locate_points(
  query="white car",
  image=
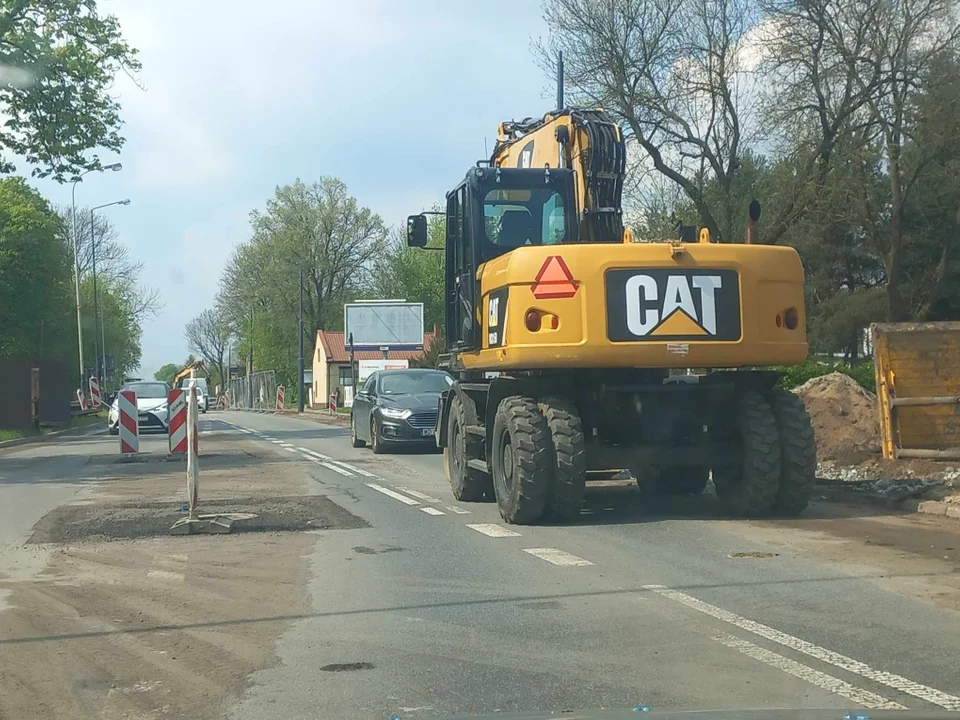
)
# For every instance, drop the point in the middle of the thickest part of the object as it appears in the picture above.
(203, 397)
(151, 407)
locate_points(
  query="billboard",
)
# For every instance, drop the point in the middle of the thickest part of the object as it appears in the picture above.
(383, 323)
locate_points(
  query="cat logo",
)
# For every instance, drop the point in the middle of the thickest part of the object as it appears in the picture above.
(668, 305)
(493, 316)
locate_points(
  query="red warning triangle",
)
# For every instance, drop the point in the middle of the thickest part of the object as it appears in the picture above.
(554, 280)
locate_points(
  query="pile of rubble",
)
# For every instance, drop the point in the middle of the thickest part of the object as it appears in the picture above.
(846, 422)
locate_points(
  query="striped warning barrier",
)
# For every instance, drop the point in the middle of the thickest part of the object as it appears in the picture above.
(81, 399)
(177, 402)
(129, 422)
(94, 392)
(280, 392)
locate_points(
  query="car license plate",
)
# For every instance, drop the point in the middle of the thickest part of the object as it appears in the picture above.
(144, 417)
(427, 432)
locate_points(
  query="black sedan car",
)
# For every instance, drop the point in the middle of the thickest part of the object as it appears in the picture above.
(397, 407)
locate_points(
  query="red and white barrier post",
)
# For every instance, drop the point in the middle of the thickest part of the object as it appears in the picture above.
(280, 393)
(81, 399)
(94, 392)
(332, 403)
(129, 422)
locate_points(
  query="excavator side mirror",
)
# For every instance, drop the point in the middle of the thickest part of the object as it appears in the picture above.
(417, 231)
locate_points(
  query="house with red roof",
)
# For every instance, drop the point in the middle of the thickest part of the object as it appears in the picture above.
(332, 370)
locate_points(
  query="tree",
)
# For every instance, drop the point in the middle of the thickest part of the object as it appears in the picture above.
(208, 335)
(318, 228)
(672, 72)
(167, 373)
(414, 274)
(60, 60)
(35, 276)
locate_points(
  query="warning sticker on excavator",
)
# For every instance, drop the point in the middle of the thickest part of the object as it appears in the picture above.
(554, 280)
(661, 304)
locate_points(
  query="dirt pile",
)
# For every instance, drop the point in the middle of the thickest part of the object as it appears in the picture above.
(844, 418)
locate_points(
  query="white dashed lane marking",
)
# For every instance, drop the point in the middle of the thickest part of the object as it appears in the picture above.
(457, 510)
(492, 530)
(557, 557)
(289, 449)
(358, 471)
(814, 677)
(431, 511)
(897, 682)
(395, 495)
(419, 495)
(314, 453)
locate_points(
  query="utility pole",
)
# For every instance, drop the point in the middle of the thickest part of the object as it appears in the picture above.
(300, 362)
(100, 369)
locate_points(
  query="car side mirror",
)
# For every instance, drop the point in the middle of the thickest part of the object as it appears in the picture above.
(111, 397)
(417, 231)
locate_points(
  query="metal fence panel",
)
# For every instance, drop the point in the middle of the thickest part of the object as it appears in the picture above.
(253, 392)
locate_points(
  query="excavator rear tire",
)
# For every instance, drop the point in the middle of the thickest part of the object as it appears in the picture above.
(521, 458)
(798, 453)
(569, 463)
(750, 490)
(467, 483)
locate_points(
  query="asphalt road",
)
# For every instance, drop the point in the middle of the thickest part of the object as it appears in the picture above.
(439, 608)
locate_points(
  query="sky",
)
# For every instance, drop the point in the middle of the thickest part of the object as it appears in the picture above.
(237, 97)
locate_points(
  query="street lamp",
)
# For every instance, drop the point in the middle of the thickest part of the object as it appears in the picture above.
(99, 369)
(115, 167)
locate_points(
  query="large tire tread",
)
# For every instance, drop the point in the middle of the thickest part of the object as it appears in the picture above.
(798, 453)
(467, 484)
(755, 490)
(569, 460)
(530, 440)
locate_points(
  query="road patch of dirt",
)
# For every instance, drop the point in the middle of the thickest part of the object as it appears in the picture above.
(161, 625)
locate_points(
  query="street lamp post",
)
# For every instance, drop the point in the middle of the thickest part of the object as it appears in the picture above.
(76, 259)
(99, 369)
(300, 362)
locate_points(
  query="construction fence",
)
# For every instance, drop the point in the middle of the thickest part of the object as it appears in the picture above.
(252, 392)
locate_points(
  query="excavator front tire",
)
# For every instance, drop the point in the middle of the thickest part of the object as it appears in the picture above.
(467, 483)
(521, 458)
(798, 453)
(751, 488)
(569, 464)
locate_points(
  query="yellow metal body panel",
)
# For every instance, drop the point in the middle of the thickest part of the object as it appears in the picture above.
(917, 360)
(770, 281)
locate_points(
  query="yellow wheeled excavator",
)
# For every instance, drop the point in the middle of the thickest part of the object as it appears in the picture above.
(571, 343)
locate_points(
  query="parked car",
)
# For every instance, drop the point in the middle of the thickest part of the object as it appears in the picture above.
(151, 406)
(397, 407)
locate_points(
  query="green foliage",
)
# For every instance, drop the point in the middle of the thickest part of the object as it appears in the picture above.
(167, 373)
(414, 274)
(62, 57)
(796, 375)
(35, 276)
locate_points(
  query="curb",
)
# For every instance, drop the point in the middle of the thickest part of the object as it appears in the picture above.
(91, 429)
(935, 507)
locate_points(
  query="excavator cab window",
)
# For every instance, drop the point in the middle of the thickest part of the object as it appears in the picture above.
(515, 218)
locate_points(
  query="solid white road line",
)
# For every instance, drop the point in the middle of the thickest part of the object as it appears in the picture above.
(492, 530)
(431, 511)
(358, 471)
(814, 677)
(557, 557)
(419, 495)
(395, 495)
(897, 682)
(457, 510)
(314, 453)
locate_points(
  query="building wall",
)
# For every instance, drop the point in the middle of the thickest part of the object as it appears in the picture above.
(320, 376)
